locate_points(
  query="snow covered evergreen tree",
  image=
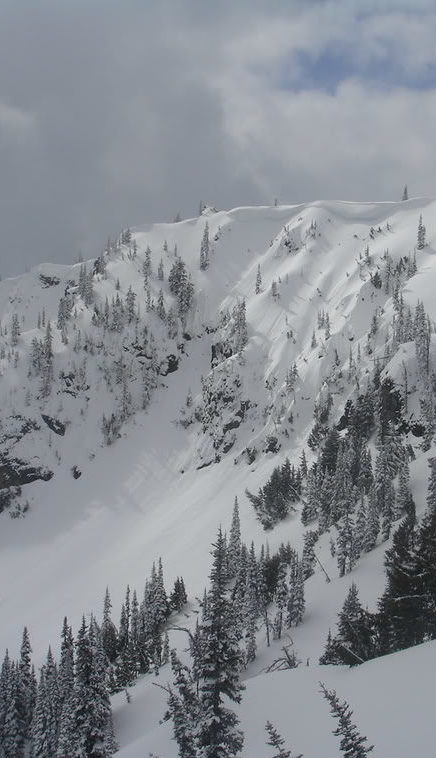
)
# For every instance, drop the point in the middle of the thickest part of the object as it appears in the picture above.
(352, 744)
(204, 249)
(218, 735)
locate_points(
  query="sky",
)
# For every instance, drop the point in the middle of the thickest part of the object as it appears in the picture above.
(119, 112)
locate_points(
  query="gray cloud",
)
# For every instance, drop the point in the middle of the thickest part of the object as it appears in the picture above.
(114, 113)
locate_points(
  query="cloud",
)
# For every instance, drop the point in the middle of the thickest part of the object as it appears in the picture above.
(15, 124)
(117, 114)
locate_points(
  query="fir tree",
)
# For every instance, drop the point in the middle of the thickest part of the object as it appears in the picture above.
(15, 330)
(47, 362)
(183, 708)
(218, 735)
(277, 742)
(109, 634)
(234, 546)
(258, 286)
(160, 271)
(421, 242)
(204, 249)
(401, 618)
(352, 744)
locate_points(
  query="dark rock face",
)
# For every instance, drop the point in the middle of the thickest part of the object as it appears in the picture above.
(15, 472)
(220, 352)
(48, 281)
(170, 365)
(76, 472)
(56, 426)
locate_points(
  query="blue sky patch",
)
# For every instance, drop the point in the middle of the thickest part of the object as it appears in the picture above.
(334, 66)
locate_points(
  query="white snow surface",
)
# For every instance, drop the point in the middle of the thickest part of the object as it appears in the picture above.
(144, 496)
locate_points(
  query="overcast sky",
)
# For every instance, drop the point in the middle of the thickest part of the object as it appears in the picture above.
(118, 112)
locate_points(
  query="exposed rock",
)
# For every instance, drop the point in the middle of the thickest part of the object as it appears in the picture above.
(169, 365)
(15, 472)
(49, 281)
(56, 426)
(76, 472)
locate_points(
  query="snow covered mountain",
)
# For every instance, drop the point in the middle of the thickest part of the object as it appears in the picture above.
(143, 390)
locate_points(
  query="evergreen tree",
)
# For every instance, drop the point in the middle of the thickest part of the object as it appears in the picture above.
(26, 687)
(47, 362)
(421, 242)
(352, 744)
(258, 287)
(130, 305)
(13, 725)
(65, 681)
(234, 546)
(405, 193)
(178, 597)
(354, 642)
(401, 619)
(281, 598)
(204, 249)
(109, 636)
(183, 708)
(372, 527)
(308, 555)
(218, 735)
(240, 326)
(160, 271)
(345, 552)
(277, 742)
(160, 309)
(15, 330)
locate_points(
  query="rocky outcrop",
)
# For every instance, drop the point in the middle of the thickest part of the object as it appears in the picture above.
(15, 472)
(54, 424)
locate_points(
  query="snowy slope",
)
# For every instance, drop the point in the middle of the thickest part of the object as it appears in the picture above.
(149, 494)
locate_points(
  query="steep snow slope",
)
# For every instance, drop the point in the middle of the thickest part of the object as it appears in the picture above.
(150, 493)
(391, 699)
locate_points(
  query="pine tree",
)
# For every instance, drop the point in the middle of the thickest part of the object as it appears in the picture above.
(15, 330)
(25, 683)
(218, 734)
(204, 249)
(183, 708)
(160, 309)
(372, 527)
(345, 545)
(160, 271)
(421, 242)
(405, 193)
(47, 362)
(46, 719)
(401, 619)
(258, 287)
(354, 642)
(13, 726)
(130, 305)
(234, 546)
(281, 599)
(240, 326)
(109, 634)
(352, 744)
(66, 665)
(308, 555)
(277, 742)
